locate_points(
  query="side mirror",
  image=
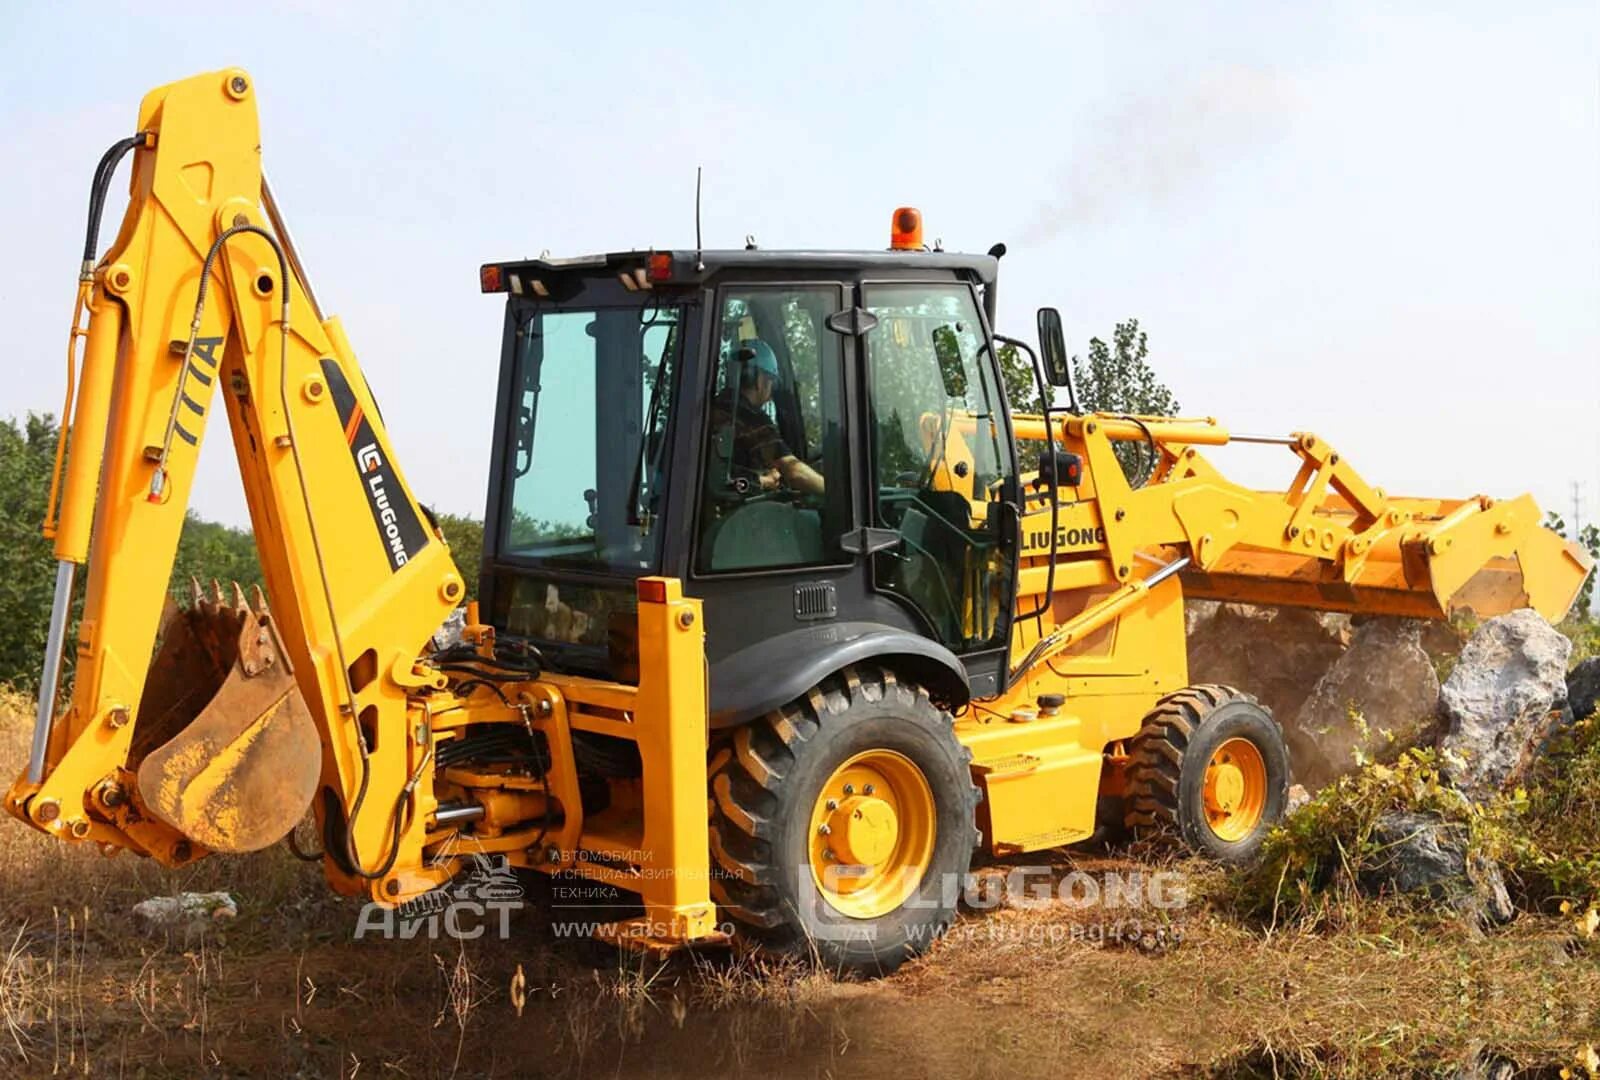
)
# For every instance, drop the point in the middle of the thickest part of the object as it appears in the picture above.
(1053, 348)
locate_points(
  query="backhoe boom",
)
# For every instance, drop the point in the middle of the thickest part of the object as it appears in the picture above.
(197, 309)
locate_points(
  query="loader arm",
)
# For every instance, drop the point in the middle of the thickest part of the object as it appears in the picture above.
(1330, 541)
(199, 307)
(1103, 641)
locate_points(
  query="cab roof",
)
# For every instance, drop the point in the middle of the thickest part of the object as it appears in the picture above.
(684, 267)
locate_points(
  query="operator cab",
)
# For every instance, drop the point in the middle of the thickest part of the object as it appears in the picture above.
(815, 443)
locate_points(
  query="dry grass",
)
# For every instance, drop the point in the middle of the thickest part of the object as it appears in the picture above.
(1011, 992)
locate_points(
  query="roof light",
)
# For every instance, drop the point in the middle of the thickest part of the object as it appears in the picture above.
(489, 278)
(905, 231)
(661, 266)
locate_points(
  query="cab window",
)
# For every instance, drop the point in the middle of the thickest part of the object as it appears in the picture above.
(941, 459)
(775, 490)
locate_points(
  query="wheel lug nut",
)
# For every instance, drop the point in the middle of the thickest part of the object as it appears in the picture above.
(849, 789)
(867, 790)
(824, 830)
(833, 804)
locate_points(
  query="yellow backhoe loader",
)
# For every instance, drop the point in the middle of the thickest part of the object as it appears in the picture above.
(783, 612)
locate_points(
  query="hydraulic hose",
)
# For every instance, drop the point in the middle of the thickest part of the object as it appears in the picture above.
(97, 192)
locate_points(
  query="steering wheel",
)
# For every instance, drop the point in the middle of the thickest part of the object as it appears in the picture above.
(777, 495)
(746, 486)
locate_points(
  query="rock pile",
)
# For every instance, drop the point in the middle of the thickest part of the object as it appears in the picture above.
(1426, 855)
(1376, 700)
(1503, 700)
(1349, 694)
(1583, 688)
(1274, 654)
(1337, 685)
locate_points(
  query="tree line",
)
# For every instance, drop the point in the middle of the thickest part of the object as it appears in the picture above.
(207, 550)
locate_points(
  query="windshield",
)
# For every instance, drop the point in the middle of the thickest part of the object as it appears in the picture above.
(934, 399)
(588, 461)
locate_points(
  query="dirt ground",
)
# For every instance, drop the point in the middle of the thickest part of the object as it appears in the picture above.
(286, 990)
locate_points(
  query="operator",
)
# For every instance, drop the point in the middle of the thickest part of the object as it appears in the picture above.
(757, 446)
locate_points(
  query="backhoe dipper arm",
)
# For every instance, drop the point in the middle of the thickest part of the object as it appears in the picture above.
(197, 305)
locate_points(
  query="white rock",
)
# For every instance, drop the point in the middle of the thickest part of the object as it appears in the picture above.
(185, 913)
(448, 636)
(1298, 797)
(1501, 700)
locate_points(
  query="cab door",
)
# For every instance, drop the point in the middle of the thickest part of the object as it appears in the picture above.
(943, 469)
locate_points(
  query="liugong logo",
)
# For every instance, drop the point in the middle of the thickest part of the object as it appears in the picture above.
(371, 464)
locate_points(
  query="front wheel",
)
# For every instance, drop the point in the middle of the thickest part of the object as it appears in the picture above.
(1212, 762)
(843, 823)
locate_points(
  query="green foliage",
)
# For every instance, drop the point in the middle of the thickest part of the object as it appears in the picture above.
(1554, 847)
(27, 565)
(1022, 391)
(465, 537)
(208, 551)
(1315, 857)
(1585, 637)
(1114, 378)
(1021, 385)
(1546, 836)
(1118, 378)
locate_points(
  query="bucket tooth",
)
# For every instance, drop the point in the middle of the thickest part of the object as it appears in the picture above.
(258, 601)
(218, 601)
(238, 600)
(195, 595)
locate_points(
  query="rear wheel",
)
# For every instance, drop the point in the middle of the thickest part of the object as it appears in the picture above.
(1211, 762)
(844, 822)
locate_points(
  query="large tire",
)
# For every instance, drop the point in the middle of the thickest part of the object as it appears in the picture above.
(772, 782)
(1191, 767)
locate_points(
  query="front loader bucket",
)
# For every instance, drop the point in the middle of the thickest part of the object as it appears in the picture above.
(227, 752)
(1438, 558)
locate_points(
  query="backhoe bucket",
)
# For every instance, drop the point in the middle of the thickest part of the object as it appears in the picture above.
(227, 752)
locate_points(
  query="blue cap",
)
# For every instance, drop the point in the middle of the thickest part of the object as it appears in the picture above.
(758, 355)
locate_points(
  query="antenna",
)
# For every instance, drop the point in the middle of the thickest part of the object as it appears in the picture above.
(1577, 509)
(699, 263)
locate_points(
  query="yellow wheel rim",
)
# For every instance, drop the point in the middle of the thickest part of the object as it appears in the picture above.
(872, 834)
(1235, 789)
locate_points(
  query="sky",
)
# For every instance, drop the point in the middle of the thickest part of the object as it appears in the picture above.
(1379, 223)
